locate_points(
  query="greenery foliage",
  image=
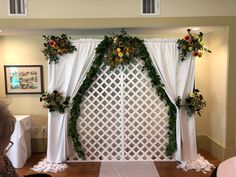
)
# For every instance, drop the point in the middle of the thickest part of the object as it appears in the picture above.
(104, 54)
(194, 103)
(55, 101)
(57, 45)
(191, 43)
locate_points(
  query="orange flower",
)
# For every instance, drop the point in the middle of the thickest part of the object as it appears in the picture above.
(55, 46)
(64, 51)
(200, 55)
(126, 49)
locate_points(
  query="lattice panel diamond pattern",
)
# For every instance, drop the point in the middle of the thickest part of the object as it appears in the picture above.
(145, 117)
(100, 120)
(122, 118)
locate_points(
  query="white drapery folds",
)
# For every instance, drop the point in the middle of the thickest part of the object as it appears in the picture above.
(66, 77)
(69, 73)
(178, 78)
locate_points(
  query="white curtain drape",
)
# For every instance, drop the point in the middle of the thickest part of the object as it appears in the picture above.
(69, 73)
(178, 78)
(66, 77)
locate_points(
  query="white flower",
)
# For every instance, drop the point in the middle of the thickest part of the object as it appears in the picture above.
(190, 48)
(115, 39)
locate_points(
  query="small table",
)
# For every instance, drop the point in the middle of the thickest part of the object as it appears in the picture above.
(21, 150)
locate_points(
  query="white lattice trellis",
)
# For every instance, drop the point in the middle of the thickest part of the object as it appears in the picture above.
(122, 118)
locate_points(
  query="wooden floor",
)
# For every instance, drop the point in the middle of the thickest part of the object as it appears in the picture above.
(91, 169)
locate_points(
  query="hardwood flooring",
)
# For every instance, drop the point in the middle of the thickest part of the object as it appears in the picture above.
(91, 169)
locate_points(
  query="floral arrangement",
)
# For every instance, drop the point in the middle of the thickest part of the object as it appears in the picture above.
(55, 101)
(194, 103)
(120, 50)
(57, 45)
(191, 43)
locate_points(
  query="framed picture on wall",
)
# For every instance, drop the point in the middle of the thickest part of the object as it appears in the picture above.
(23, 79)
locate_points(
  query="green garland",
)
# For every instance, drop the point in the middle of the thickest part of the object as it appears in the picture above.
(139, 52)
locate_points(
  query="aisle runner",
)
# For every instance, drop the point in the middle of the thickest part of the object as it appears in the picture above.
(128, 169)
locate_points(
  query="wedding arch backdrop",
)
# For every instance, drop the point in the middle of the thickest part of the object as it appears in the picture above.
(122, 117)
(133, 135)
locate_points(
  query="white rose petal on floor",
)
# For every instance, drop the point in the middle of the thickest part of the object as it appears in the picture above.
(45, 166)
(128, 169)
(200, 164)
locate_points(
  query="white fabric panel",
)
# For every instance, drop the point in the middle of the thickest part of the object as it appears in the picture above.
(178, 78)
(66, 77)
(128, 169)
(21, 150)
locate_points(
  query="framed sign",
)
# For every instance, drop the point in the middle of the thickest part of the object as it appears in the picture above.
(23, 79)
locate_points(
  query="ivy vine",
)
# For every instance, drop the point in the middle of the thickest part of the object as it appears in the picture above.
(140, 52)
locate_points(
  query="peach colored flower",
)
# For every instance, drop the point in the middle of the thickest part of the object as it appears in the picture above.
(187, 38)
(55, 46)
(190, 42)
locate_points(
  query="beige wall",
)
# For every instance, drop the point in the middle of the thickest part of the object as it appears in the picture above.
(121, 8)
(211, 79)
(203, 123)
(24, 50)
